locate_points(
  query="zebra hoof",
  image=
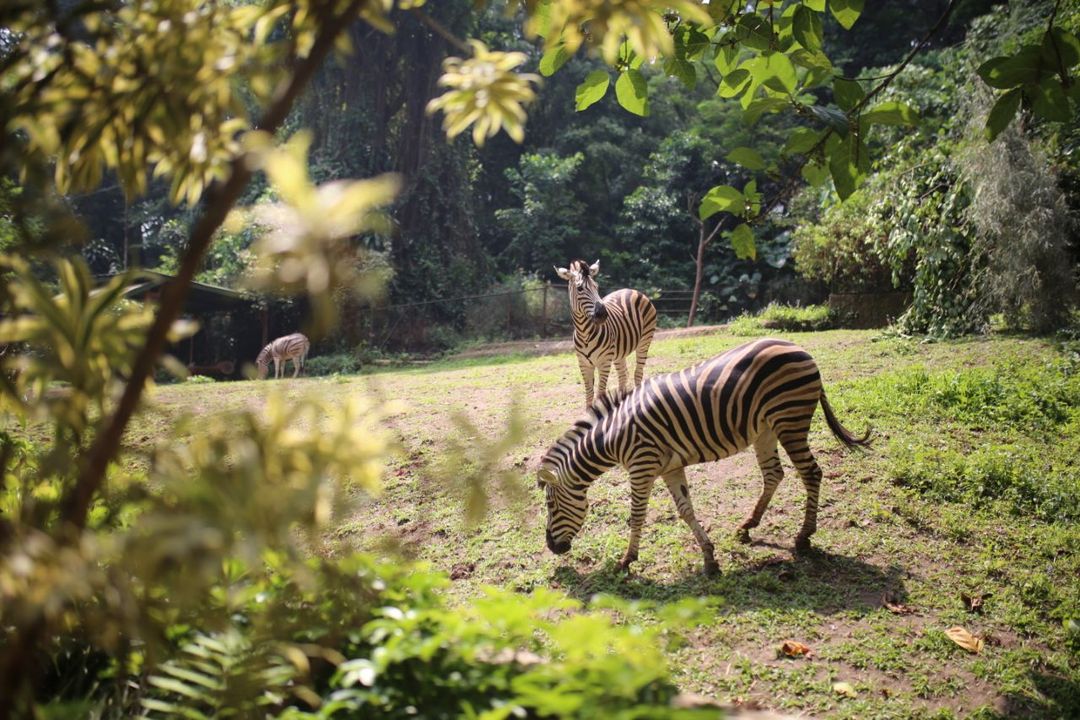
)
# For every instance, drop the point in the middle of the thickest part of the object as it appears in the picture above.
(802, 544)
(624, 564)
(712, 568)
(743, 535)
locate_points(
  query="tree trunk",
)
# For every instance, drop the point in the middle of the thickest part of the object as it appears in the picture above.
(698, 273)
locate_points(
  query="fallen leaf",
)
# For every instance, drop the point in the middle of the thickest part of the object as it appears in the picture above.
(892, 604)
(793, 648)
(965, 639)
(974, 603)
(845, 689)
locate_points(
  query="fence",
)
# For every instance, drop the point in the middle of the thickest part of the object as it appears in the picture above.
(528, 312)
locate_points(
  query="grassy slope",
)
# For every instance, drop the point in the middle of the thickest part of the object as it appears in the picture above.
(874, 536)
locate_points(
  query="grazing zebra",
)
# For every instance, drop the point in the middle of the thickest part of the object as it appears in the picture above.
(291, 347)
(607, 331)
(756, 394)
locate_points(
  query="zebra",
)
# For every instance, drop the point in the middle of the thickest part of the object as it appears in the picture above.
(290, 347)
(761, 394)
(607, 331)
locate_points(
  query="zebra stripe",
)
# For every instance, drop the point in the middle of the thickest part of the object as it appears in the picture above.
(290, 347)
(760, 394)
(606, 331)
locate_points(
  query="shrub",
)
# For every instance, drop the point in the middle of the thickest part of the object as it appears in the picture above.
(786, 318)
(336, 364)
(379, 639)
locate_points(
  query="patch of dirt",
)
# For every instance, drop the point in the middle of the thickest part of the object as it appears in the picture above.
(555, 347)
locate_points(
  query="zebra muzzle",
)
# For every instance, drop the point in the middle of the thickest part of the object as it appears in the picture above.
(559, 548)
(599, 313)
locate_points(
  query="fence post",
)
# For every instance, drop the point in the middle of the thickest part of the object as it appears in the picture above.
(509, 313)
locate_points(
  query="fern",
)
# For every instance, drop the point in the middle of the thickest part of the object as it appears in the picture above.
(222, 675)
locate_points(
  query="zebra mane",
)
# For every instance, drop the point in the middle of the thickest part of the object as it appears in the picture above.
(603, 406)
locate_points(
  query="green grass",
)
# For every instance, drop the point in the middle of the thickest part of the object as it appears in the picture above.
(971, 487)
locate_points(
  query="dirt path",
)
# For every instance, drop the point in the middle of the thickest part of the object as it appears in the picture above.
(555, 347)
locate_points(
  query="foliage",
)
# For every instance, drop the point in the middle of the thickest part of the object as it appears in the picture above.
(543, 230)
(336, 364)
(484, 93)
(840, 248)
(1018, 213)
(784, 318)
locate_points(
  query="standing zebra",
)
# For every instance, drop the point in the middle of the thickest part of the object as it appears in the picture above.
(607, 331)
(756, 394)
(291, 347)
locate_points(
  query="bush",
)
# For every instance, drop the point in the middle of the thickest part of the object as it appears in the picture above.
(785, 318)
(336, 364)
(378, 639)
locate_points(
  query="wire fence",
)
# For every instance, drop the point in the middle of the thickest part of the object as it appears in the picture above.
(529, 312)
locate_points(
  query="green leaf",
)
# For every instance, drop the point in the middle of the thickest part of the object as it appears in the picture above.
(777, 72)
(1051, 102)
(755, 32)
(806, 27)
(632, 92)
(848, 161)
(553, 59)
(733, 83)
(683, 70)
(815, 5)
(891, 113)
(801, 140)
(747, 157)
(591, 89)
(756, 108)
(847, 93)
(846, 12)
(1007, 72)
(722, 198)
(1002, 113)
(831, 117)
(1060, 48)
(726, 60)
(815, 174)
(742, 241)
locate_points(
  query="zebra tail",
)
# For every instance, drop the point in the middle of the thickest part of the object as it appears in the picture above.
(839, 431)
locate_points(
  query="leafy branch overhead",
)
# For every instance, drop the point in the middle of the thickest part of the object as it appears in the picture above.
(770, 58)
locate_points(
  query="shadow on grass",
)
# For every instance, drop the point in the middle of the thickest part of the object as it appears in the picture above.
(818, 581)
(1059, 698)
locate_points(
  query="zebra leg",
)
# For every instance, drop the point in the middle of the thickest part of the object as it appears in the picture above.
(277, 368)
(640, 356)
(603, 370)
(676, 484)
(620, 368)
(296, 366)
(641, 483)
(797, 447)
(768, 458)
(587, 377)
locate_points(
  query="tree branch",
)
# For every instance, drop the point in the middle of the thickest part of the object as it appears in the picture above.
(221, 200)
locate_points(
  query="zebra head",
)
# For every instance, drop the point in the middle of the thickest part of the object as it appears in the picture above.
(263, 362)
(567, 470)
(584, 292)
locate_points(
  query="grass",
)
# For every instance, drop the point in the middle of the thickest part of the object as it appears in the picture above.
(971, 488)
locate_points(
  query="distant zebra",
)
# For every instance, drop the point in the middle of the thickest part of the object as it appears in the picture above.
(756, 394)
(607, 331)
(291, 347)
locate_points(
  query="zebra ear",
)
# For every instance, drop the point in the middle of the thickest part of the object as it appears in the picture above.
(594, 268)
(563, 273)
